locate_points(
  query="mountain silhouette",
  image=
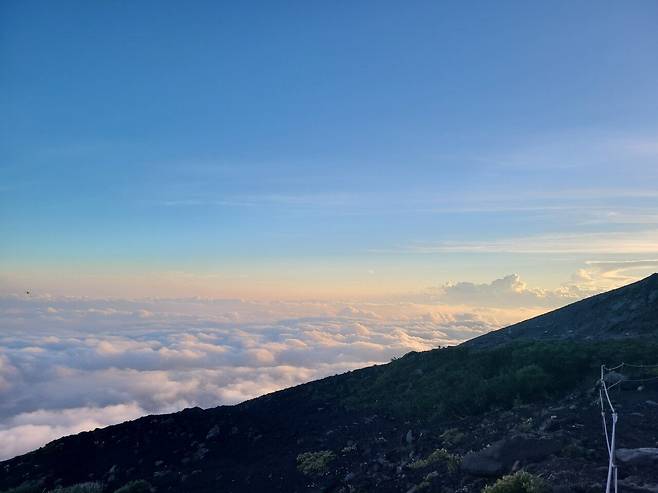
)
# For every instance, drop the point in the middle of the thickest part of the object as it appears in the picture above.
(629, 311)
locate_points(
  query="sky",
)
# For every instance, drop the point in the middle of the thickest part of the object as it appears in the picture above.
(209, 198)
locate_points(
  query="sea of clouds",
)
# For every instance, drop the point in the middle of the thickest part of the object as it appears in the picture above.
(74, 364)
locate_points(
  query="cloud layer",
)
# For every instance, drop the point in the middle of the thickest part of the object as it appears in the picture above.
(72, 364)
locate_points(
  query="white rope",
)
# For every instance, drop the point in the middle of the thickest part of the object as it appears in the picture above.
(610, 441)
(648, 379)
(632, 365)
(612, 467)
(607, 396)
(611, 437)
(610, 387)
(605, 425)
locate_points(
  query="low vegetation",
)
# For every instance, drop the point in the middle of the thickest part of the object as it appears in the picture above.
(458, 381)
(92, 487)
(441, 455)
(139, 486)
(519, 482)
(314, 463)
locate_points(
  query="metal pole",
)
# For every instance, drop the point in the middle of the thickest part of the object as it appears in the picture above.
(607, 484)
(611, 464)
(615, 478)
(612, 446)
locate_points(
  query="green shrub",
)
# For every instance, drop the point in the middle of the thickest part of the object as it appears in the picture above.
(91, 487)
(529, 378)
(452, 461)
(575, 451)
(139, 486)
(455, 382)
(519, 482)
(313, 463)
(525, 425)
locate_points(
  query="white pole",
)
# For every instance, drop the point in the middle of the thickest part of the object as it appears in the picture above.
(615, 478)
(611, 464)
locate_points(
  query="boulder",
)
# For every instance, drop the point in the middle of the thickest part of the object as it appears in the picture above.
(643, 455)
(482, 464)
(501, 456)
(632, 487)
(213, 433)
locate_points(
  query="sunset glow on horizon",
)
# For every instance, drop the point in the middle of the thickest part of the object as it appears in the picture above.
(217, 200)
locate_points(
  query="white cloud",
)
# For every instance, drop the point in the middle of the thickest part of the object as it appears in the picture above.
(80, 358)
(70, 364)
(511, 292)
(613, 273)
(30, 430)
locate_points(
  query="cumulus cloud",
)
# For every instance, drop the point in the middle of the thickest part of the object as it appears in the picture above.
(511, 291)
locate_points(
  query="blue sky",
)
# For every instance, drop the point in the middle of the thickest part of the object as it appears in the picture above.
(324, 149)
(213, 200)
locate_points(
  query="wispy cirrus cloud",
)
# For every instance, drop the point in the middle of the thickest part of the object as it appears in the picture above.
(633, 242)
(615, 272)
(579, 149)
(318, 200)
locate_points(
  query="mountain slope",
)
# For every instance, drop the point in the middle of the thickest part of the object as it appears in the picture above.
(393, 427)
(629, 311)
